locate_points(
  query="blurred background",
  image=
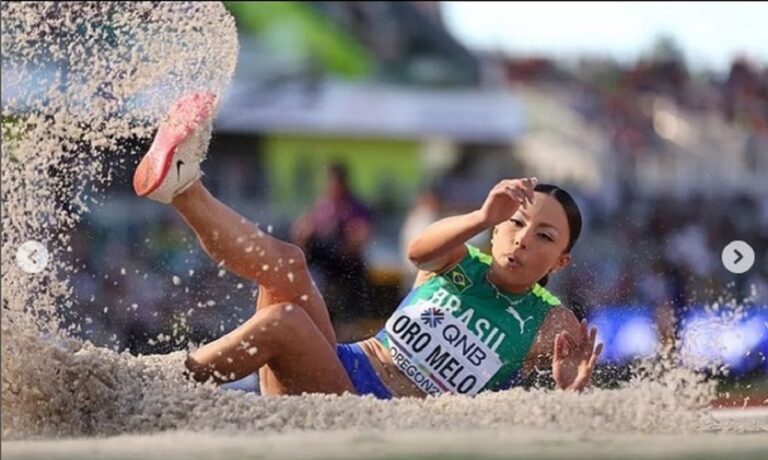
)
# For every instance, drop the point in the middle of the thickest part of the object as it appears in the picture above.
(654, 116)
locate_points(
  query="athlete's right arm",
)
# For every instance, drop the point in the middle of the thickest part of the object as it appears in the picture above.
(441, 245)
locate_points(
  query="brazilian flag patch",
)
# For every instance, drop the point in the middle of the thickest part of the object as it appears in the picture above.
(458, 277)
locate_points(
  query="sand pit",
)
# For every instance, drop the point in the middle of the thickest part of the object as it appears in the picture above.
(124, 66)
(412, 444)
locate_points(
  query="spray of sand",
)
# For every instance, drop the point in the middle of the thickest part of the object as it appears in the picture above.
(80, 79)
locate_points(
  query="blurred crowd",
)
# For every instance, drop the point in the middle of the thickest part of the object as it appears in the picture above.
(665, 253)
(615, 96)
(741, 98)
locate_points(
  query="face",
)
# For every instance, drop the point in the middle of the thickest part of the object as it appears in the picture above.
(335, 187)
(532, 243)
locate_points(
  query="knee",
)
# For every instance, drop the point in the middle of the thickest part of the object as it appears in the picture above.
(296, 259)
(282, 322)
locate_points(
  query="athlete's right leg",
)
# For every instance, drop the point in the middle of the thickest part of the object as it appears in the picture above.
(279, 268)
(170, 173)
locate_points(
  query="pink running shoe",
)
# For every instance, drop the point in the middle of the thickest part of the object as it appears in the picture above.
(172, 164)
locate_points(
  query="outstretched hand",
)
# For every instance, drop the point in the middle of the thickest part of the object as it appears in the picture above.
(574, 360)
(506, 197)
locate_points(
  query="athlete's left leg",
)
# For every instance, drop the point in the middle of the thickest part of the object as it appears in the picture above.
(284, 336)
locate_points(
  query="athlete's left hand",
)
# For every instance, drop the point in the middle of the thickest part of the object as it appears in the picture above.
(574, 360)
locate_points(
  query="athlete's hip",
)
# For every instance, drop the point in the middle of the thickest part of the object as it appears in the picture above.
(391, 376)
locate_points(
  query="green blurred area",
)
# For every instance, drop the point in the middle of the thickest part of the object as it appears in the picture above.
(379, 169)
(294, 28)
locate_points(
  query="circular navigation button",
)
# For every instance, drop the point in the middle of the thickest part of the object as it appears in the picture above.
(738, 257)
(32, 256)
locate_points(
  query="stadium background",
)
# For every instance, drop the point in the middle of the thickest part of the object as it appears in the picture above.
(667, 162)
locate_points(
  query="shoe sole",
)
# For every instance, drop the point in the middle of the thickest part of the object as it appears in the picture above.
(186, 116)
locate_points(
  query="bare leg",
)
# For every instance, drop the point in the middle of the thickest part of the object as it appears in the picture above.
(269, 383)
(284, 336)
(278, 267)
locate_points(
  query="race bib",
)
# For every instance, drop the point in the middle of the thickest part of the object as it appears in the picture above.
(438, 352)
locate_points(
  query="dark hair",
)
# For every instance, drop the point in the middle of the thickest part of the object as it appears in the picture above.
(338, 171)
(572, 213)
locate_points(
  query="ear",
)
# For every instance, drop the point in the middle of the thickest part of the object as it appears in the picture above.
(562, 262)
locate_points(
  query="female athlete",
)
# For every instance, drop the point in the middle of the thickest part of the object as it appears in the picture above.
(473, 322)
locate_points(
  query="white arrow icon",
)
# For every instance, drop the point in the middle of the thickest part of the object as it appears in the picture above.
(32, 256)
(738, 257)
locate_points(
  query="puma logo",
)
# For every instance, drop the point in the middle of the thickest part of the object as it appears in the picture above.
(511, 310)
(178, 169)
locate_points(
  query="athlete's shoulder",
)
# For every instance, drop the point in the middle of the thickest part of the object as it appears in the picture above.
(474, 254)
(545, 296)
(469, 257)
(561, 318)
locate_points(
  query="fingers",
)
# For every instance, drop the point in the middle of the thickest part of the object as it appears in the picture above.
(516, 194)
(572, 344)
(585, 375)
(517, 190)
(595, 355)
(592, 338)
(528, 186)
(561, 347)
(530, 183)
(588, 336)
(593, 360)
(569, 345)
(523, 186)
(505, 188)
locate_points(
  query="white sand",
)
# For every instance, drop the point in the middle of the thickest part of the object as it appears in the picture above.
(57, 386)
(389, 444)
